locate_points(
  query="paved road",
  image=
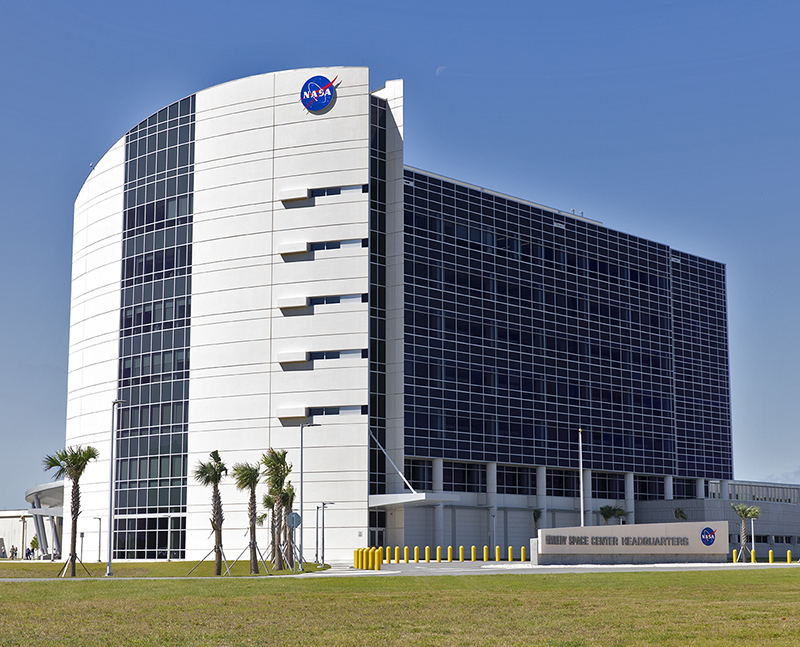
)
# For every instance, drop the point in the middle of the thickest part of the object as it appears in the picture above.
(480, 568)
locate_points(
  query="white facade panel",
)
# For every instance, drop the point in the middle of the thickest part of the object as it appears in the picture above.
(258, 153)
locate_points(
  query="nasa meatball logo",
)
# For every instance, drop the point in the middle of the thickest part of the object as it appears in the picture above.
(317, 93)
(707, 536)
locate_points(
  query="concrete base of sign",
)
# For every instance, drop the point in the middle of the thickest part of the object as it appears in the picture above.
(670, 543)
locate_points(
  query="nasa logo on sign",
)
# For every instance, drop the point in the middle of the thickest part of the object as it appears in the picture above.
(317, 93)
(707, 536)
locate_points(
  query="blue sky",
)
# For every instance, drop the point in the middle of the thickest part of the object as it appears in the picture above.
(676, 121)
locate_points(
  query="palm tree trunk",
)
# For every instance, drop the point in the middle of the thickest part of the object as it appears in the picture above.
(252, 514)
(216, 522)
(75, 510)
(279, 564)
(743, 535)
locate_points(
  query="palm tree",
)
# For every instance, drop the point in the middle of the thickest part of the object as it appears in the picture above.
(680, 514)
(71, 463)
(247, 476)
(211, 473)
(537, 515)
(277, 469)
(287, 503)
(745, 512)
(611, 512)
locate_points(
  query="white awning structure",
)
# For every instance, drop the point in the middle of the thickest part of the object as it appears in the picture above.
(47, 500)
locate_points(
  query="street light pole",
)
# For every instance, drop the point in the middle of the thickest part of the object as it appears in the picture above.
(580, 469)
(99, 538)
(303, 425)
(114, 406)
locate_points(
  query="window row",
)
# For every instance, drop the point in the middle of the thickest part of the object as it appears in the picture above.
(170, 159)
(153, 341)
(171, 184)
(529, 295)
(151, 500)
(156, 290)
(156, 312)
(423, 226)
(160, 392)
(164, 260)
(171, 134)
(171, 440)
(156, 240)
(152, 467)
(159, 362)
(477, 333)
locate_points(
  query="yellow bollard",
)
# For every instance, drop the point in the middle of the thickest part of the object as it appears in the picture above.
(358, 557)
(460, 553)
(371, 559)
(449, 553)
(438, 553)
(474, 553)
(522, 554)
(416, 554)
(770, 557)
(427, 554)
(510, 553)
(485, 553)
(752, 557)
(355, 558)
(497, 553)
(405, 553)
(397, 554)
(378, 558)
(735, 555)
(388, 554)
(788, 556)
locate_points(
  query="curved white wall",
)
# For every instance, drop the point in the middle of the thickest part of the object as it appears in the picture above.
(251, 281)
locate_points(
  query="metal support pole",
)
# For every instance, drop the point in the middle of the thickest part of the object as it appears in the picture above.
(114, 405)
(580, 470)
(302, 525)
(323, 528)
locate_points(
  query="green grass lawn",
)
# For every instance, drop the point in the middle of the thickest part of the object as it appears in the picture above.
(21, 568)
(755, 607)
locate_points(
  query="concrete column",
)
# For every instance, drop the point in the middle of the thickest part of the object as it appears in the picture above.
(56, 538)
(438, 510)
(630, 504)
(700, 488)
(588, 504)
(541, 494)
(39, 523)
(668, 492)
(491, 498)
(724, 490)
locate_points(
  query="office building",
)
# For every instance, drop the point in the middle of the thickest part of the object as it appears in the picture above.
(258, 256)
